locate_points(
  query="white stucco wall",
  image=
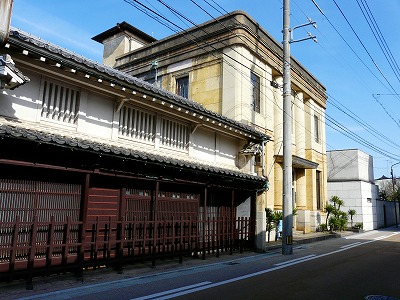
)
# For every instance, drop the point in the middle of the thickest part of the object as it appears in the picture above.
(358, 195)
(349, 165)
(23, 102)
(97, 118)
(98, 115)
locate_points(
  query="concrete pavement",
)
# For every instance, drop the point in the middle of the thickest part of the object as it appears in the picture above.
(16, 289)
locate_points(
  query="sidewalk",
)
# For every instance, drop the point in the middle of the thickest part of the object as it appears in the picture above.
(41, 285)
(306, 238)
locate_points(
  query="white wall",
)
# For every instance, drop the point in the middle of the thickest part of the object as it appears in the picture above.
(358, 195)
(349, 165)
(23, 102)
(96, 117)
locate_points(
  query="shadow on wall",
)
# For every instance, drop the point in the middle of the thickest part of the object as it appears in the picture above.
(386, 214)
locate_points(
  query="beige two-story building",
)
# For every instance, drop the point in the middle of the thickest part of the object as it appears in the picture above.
(233, 67)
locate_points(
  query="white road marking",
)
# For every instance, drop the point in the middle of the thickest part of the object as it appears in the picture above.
(173, 292)
(351, 245)
(293, 262)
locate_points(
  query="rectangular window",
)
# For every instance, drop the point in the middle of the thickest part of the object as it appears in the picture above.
(316, 128)
(318, 189)
(137, 124)
(182, 86)
(174, 134)
(255, 91)
(60, 103)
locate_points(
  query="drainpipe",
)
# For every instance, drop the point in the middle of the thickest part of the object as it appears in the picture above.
(263, 160)
(262, 157)
(5, 20)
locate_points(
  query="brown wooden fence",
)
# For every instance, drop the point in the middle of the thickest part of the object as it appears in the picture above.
(35, 248)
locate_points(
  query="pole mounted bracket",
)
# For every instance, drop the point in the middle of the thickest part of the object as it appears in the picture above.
(309, 37)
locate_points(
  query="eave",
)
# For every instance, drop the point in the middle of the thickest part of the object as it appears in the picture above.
(50, 55)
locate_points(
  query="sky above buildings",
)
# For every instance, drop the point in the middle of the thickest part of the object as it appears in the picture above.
(356, 57)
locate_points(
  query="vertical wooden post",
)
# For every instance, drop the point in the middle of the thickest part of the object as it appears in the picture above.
(232, 235)
(204, 224)
(50, 245)
(154, 219)
(66, 241)
(83, 225)
(120, 243)
(14, 244)
(252, 221)
(32, 252)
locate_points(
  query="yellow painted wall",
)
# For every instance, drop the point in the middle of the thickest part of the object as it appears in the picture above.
(205, 86)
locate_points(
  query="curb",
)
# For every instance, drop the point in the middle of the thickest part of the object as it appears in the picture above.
(278, 245)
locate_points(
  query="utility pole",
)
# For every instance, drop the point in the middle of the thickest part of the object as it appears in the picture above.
(287, 220)
(5, 19)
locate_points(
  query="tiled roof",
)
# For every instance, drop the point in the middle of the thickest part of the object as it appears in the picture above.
(11, 74)
(23, 39)
(45, 134)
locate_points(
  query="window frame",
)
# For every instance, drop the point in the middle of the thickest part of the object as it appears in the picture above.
(255, 80)
(60, 102)
(182, 90)
(316, 129)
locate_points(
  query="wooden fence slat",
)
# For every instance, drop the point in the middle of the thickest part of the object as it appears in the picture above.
(114, 241)
(31, 255)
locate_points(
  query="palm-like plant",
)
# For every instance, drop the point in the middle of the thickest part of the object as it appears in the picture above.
(329, 209)
(339, 203)
(352, 212)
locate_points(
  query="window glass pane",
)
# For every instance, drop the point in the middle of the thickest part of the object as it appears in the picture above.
(182, 86)
(316, 128)
(255, 97)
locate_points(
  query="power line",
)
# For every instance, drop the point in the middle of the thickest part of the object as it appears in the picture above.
(365, 48)
(345, 131)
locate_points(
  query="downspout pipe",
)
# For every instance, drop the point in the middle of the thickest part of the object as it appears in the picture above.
(5, 20)
(263, 143)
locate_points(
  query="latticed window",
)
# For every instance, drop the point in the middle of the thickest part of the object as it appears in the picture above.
(137, 124)
(60, 103)
(174, 134)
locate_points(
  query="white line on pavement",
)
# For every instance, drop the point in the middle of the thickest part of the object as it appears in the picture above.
(173, 292)
(351, 245)
(291, 262)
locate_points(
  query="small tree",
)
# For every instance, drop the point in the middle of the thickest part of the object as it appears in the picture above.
(277, 216)
(352, 213)
(270, 221)
(329, 210)
(335, 218)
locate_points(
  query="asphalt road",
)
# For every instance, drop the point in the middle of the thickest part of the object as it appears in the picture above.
(346, 268)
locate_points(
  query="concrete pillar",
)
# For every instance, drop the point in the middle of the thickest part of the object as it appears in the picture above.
(301, 189)
(303, 221)
(299, 124)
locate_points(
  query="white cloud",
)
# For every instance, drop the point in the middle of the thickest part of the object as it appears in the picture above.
(54, 29)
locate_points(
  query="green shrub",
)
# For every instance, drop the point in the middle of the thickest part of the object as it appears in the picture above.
(358, 226)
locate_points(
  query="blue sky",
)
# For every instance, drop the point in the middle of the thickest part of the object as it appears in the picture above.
(360, 80)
